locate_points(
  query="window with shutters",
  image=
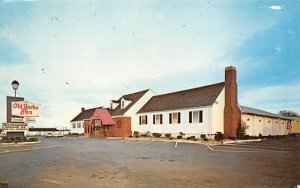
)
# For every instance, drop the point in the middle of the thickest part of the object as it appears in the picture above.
(174, 118)
(143, 120)
(196, 116)
(157, 119)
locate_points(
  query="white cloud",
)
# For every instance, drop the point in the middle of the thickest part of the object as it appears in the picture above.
(272, 99)
(277, 48)
(275, 7)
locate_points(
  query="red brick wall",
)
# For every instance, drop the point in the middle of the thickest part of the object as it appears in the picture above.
(122, 128)
(232, 113)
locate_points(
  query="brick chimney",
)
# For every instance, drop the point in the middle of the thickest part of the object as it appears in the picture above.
(82, 109)
(232, 113)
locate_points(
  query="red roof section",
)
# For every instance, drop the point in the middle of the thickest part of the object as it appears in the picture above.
(104, 116)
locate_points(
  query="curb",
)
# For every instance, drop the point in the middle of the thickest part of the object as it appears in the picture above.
(240, 141)
(114, 138)
(163, 140)
(21, 143)
(194, 142)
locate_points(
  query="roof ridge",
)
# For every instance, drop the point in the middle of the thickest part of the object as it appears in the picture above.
(259, 110)
(194, 97)
(135, 93)
(189, 89)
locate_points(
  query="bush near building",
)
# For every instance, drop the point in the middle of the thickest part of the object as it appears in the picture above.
(18, 139)
(156, 135)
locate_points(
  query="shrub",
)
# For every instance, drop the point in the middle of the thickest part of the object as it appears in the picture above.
(241, 130)
(34, 139)
(179, 137)
(246, 137)
(205, 139)
(136, 134)
(191, 138)
(156, 135)
(181, 133)
(219, 136)
(202, 136)
(260, 135)
(25, 139)
(269, 136)
(5, 139)
(168, 135)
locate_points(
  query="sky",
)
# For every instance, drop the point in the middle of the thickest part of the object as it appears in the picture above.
(68, 54)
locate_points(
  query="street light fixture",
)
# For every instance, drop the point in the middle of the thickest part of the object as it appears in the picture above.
(15, 84)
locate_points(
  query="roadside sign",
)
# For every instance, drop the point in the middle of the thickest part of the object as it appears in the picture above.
(29, 119)
(16, 119)
(15, 127)
(24, 109)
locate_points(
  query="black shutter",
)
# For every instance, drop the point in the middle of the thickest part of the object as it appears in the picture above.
(200, 116)
(178, 117)
(146, 119)
(190, 117)
(140, 120)
(170, 118)
(161, 121)
(153, 119)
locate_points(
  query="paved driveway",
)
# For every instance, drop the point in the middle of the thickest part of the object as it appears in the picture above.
(82, 162)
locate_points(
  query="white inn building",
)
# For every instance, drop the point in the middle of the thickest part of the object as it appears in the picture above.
(202, 110)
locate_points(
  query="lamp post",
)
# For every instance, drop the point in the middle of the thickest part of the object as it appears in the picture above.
(15, 84)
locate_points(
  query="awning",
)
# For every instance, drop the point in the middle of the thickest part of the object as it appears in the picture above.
(103, 115)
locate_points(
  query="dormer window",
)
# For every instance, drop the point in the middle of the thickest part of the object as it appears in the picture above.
(113, 104)
(124, 103)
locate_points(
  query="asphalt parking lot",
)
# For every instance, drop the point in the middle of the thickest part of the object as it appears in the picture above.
(82, 162)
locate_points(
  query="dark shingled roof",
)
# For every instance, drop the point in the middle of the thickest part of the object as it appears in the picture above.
(43, 129)
(254, 111)
(85, 114)
(196, 97)
(133, 97)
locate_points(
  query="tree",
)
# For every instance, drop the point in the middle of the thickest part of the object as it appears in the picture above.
(288, 113)
(241, 130)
